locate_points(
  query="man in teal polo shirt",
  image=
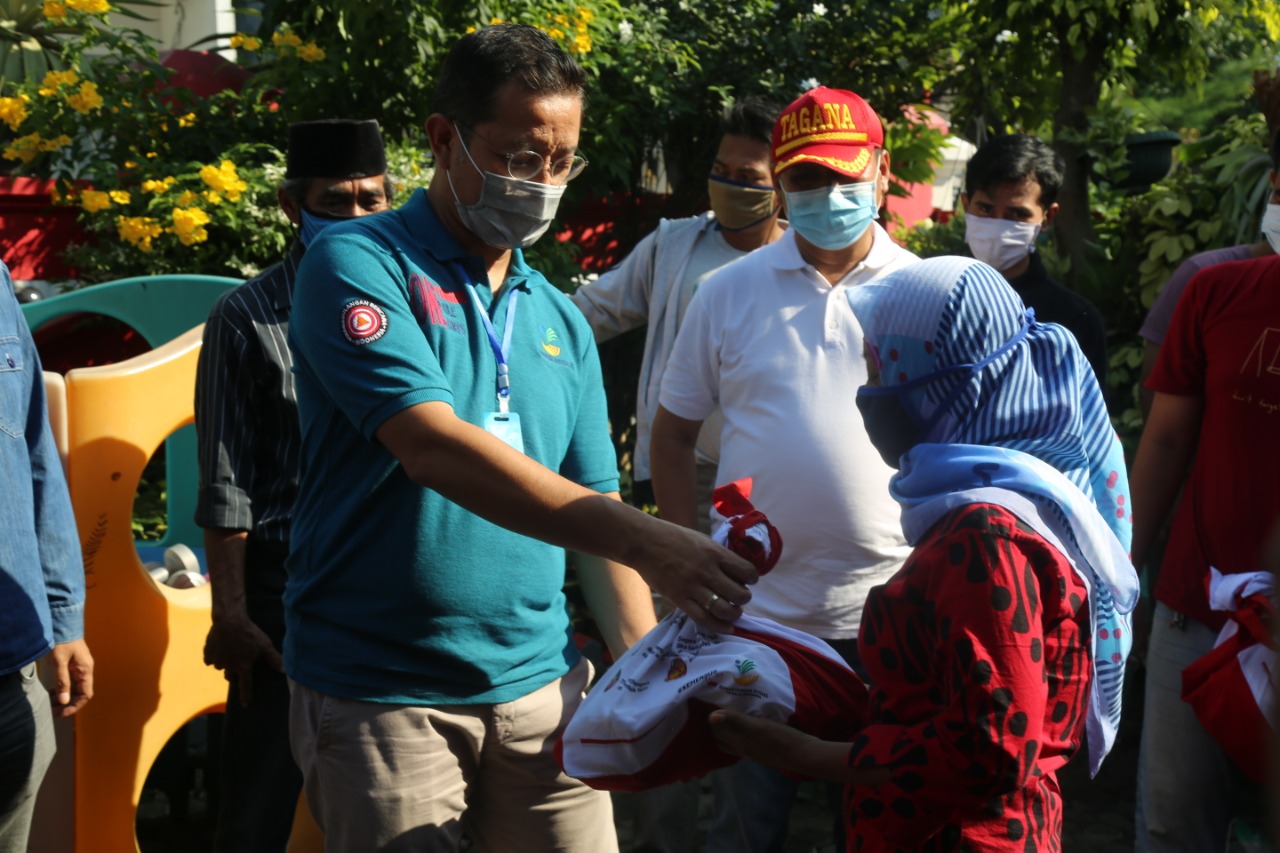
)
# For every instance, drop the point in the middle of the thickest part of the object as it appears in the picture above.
(454, 441)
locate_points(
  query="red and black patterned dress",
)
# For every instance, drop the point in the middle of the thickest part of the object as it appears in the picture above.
(978, 650)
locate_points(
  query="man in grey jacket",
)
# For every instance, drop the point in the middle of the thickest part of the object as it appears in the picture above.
(654, 284)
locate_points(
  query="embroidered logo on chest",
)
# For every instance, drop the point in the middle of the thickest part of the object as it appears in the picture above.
(550, 342)
(435, 304)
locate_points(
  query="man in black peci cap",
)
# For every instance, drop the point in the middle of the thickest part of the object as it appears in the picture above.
(247, 426)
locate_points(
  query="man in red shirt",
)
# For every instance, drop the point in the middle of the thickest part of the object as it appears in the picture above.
(1212, 431)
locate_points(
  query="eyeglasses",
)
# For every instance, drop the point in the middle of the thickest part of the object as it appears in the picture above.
(527, 165)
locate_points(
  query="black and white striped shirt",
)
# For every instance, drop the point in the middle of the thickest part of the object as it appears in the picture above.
(246, 410)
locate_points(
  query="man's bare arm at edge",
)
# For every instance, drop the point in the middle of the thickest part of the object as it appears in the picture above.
(480, 473)
(674, 465)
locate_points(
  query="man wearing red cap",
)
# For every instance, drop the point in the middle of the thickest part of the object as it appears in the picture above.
(773, 341)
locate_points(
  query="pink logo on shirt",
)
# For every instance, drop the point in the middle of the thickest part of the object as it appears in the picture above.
(429, 295)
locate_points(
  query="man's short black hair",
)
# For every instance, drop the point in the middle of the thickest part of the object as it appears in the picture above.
(1012, 159)
(752, 118)
(480, 63)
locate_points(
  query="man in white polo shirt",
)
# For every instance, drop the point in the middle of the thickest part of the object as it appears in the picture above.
(772, 340)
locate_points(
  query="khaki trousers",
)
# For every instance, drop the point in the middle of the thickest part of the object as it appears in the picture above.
(411, 778)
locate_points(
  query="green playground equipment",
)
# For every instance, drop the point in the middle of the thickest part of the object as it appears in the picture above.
(159, 308)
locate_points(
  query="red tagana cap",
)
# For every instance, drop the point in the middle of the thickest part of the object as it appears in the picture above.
(831, 127)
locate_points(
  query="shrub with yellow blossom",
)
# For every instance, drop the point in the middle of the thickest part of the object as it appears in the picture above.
(164, 181)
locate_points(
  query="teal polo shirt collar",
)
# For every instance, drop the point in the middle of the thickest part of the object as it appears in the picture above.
(428, 231)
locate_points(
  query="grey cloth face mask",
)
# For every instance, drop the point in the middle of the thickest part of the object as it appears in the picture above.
(510, 213)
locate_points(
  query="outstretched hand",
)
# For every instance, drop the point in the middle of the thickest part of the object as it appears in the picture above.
(763, 741)
(699, 576)
(777, 745)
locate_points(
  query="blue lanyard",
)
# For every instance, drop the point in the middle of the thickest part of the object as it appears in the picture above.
(500, 350)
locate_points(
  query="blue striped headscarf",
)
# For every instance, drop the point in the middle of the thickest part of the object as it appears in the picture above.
(1015, 418)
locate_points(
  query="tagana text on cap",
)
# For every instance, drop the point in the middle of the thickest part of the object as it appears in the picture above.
(831, 127)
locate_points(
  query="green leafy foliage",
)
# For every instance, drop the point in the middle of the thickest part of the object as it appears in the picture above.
(29, 39)
(185, 184)
(380, 58)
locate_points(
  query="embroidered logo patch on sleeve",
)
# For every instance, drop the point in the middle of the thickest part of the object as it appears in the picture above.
(363, 322)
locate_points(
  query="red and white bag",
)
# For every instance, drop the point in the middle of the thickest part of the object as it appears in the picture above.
(1231, 687)
(645, 723)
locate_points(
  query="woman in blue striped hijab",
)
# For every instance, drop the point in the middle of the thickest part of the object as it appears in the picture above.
(1004, 635)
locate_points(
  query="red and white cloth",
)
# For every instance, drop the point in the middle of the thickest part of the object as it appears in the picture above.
(1232, 688)
(745, 531)
(645, 723)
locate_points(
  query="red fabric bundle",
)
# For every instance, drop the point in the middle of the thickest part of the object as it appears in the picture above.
(1230, 688)
(746, 531)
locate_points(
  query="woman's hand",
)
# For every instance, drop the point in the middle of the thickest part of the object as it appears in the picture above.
(777, 745)
(760, 740)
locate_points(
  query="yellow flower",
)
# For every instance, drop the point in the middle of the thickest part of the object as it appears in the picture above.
(93, 201)
(54, 10)
(151, 155)
(470, 30)
(93, 7)
(86, 100)
(57, 142)
(13, 112)
(157, 187)
(556, 33)
(495, 20)
(245, 42)
(309, 52)
(138, 231)
(120, 196)
(25, 148)
(187, 120)
(212, 197)
(286, 39)
(188, 224)
(187, 198)
(223, 179)
(562, 20)
(54, 80)
(582, 43)
(585, 14)
(131, 164)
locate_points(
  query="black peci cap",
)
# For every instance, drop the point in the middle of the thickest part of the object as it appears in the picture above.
(335, 148)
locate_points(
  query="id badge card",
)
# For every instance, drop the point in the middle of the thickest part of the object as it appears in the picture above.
(506, 426)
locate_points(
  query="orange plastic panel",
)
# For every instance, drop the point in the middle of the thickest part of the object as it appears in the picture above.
(147, 639)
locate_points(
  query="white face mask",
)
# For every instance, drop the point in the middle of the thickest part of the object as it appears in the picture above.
(1271, 226)
(999, 243)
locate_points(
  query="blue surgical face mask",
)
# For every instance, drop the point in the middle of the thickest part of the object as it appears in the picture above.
(832, 217)
(313, 224)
